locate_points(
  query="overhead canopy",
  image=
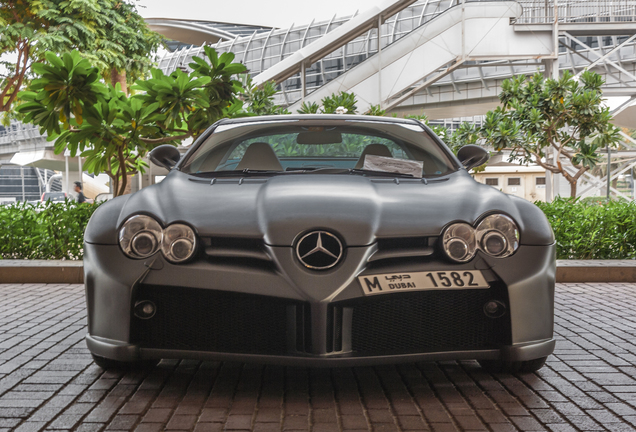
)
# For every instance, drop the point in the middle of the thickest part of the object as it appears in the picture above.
(44, 159)
(200, 32)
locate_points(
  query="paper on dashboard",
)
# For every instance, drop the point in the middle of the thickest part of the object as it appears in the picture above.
(402, 166)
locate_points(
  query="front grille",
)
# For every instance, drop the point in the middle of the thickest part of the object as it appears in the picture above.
(427, 321)
(207, 320)
(303, 327)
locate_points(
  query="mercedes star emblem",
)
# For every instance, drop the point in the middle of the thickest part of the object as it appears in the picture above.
(319, 250)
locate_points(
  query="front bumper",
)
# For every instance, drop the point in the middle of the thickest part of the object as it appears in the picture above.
(309, 304)
(126, 352)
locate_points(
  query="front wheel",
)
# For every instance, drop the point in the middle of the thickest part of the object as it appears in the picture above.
(107, 364)
(512, 366)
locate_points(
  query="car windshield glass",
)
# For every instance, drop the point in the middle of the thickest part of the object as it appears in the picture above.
(356, 149)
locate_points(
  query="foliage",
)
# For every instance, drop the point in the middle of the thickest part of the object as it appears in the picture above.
(339, 100)
(308, 108)
(49, 230)
(334, 104)
(584, 229)
(566, 115)
(113, 130)
(376, 110)
(110, 33)
(465, 134)
(260, 100)
(592, 230)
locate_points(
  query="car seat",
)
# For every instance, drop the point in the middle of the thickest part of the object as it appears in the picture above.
(375, 150)
(260, 156)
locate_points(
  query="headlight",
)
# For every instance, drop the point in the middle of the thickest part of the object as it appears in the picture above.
(498, 235)
(140, 237)
(179, 242)
(459, 242)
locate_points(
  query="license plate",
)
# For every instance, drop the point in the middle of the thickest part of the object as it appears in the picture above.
(420, 281)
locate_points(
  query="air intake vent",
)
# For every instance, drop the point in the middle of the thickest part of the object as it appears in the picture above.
(209, 320)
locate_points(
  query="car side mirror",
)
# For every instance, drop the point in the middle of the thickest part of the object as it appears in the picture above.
(472, 156)
(165, 155)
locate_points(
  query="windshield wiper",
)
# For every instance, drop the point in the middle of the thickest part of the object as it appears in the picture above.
(356, 171)
(239, 173)
(256, 173)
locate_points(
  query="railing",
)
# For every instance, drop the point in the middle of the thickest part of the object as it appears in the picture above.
(577, 11)
(20, 132)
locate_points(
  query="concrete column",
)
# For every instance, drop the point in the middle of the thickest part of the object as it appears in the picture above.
(22, 177)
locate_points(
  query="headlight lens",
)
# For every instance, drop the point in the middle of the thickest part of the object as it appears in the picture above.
(498, 235)
(140, 236)
(179, 242)
(459, 242)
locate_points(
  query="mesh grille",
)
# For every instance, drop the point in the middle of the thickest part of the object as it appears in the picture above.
(427, 321)
(206, 320)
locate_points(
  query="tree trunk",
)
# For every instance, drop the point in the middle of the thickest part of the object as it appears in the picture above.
(572, 189)
(119, 76)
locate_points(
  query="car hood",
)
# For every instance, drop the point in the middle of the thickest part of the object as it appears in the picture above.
(280, 208)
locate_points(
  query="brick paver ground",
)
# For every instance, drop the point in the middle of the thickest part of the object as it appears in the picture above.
(48, 382)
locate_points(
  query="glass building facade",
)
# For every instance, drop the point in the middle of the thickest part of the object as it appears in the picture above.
(261, 50)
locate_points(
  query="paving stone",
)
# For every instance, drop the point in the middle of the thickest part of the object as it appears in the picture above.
(48, 380)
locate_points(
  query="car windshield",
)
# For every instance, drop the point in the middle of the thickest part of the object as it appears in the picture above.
(272, 149)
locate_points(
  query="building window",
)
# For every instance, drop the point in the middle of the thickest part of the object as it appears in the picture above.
(492, 181)
(514, 181)
(540, 181)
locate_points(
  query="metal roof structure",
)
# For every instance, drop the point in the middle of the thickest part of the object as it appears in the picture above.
(182, 33)
(590, 34)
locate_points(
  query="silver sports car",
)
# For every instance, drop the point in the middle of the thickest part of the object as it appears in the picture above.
(320, 240)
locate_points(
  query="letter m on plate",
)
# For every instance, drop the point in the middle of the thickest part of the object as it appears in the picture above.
(372, 285)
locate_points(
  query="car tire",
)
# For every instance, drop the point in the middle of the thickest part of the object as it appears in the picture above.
(107, 364)
(497, 366)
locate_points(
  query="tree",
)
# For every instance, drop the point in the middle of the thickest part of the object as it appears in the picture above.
(336, 103)
(114, 131)
(330, 104)
(109, 33)
(566, 115)
(376, 110)
(259, 100)
(309, 108)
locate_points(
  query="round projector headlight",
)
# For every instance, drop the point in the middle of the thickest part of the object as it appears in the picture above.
(498, 235)
(179, 243)
(140, 237)
(459, 242)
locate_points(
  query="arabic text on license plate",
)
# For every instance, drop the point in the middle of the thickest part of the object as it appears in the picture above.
(434, 280)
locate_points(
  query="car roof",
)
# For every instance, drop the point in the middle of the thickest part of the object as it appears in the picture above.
(324, 117)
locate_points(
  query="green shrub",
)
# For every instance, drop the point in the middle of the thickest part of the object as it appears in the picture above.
(44, 231)
(584, 229)
(592, 229)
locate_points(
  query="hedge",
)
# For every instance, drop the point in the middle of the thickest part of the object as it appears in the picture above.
(583, 229)
(44, 231)
(588, 229)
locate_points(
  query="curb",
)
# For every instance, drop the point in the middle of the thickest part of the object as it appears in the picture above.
(596, 271)
(72, 272)
(41, 271)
